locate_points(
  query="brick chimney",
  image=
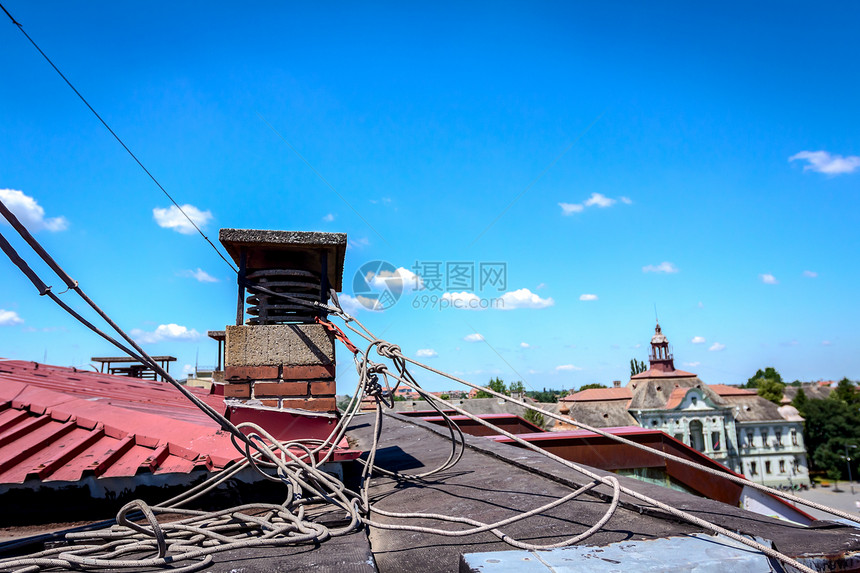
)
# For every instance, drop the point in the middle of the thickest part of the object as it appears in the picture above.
(276, 356)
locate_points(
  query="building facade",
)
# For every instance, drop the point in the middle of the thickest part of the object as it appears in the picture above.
(731, 425)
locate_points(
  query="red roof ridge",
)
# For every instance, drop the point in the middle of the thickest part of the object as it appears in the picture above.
(728, 390)
(599, 394)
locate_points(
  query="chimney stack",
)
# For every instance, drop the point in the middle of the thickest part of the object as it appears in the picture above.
(616, 383)
(277, 356)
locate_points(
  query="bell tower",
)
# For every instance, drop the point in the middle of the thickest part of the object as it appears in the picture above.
(661, 354)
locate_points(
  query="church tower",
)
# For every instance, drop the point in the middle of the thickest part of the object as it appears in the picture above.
(661, 355)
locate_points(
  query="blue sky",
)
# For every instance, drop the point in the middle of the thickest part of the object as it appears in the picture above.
(639, 154)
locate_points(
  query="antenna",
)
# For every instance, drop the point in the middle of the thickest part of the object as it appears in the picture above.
(656, 318)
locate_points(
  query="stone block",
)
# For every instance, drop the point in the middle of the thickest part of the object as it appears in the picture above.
(310, 345)
(279, 344)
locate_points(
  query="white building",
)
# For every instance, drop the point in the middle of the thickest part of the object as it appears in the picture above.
(733, 426)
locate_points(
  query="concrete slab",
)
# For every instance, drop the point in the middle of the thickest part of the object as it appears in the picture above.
(700, 553)
(279, 344)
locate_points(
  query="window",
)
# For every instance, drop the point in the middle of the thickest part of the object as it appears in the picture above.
(693, 400)
(782, 466)
(767, 467)
(778, 437)
(753, 470)
(750, 438)
(715, 441)
(679, 437)
(697, 437)
(794, 437)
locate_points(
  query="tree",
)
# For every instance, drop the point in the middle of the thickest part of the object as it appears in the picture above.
(590, 386)
(636, 367)
(846, 391)
(799, 400)
(343, 404)
(830, 424)
(768, 373)
(546, 396)
(771, 390)
(496, 385)
(534, 417)
(517, 387)
(768, 383)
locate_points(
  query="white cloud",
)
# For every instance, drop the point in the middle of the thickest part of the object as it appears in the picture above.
(824, 162)
(30, 213)
(9, 318)
(398, 280)
(810, 274)
(570, 208)
(187, 369)
(474, 337)
(199, 275)
(350, 304)
(172, 218)
(328, 218)
(525, 345)
(701, 304)
(357, 243)
(596, 200)
(588, 297)
(716, 347)
(567, 367)
(698, 340)
(664, 267)
(599, 200)
(540, 286)
(692, 364)
(426, 353)
(524, 298)
(826, 343)
(165, 333)
(768, 279)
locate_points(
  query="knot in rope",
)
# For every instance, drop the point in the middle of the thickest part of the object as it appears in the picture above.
(387, 349)
(372, 386)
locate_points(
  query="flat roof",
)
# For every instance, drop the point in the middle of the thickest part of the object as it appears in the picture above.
(113, 359)
(492, 483)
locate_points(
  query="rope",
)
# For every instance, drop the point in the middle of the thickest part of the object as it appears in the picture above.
(296, 464)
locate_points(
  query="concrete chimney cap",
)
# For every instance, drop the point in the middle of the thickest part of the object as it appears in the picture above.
(287, 249)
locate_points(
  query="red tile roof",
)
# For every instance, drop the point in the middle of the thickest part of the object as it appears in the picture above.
(725, 390)
(61, 424)
(675, 398)
(599, 395)
(655, 373)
